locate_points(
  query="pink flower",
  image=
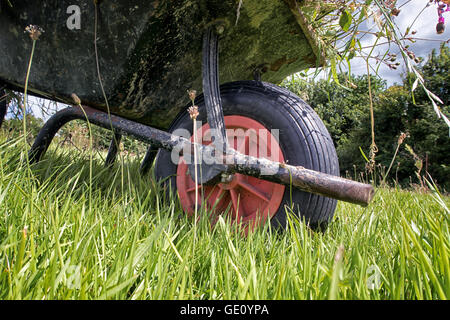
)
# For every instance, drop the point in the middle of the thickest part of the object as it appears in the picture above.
(442, 7)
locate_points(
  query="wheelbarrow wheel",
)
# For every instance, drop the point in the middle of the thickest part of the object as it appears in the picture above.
(303, 141)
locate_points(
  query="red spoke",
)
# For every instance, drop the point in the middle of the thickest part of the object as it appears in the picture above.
(218, 197)
(212, 201)
(193, 188)
(253, 190)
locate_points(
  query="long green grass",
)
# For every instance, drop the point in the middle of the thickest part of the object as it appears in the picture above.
(119, 236)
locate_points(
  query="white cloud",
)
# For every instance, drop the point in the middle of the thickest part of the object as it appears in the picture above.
(425, 25)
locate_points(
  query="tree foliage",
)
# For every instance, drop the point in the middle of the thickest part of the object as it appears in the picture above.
(346, 114)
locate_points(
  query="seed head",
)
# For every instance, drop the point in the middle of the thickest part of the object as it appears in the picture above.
(193, 112)
(395, 12)
(401, 138)
(76, 99)
(392, 66)
(352, 85)
(440, 28)
(34, 31)
(192, 95)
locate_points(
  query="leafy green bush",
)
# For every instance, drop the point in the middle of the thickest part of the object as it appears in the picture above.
(346, 113)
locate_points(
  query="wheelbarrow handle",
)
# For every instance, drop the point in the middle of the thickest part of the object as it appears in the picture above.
(304, 179)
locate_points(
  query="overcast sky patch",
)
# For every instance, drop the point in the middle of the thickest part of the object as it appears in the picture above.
(425, 25)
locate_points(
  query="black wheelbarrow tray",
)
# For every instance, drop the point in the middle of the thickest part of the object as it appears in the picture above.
(131, 64)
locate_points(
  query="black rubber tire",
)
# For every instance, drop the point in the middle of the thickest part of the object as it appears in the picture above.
(304, 141)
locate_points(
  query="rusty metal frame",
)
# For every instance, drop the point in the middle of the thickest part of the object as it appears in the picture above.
(113, 149)
(231, 161)
(148, 159)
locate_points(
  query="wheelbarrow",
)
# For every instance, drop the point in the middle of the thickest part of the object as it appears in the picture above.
(130, 64)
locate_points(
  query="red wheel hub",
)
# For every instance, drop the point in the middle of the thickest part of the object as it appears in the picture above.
(244, 199)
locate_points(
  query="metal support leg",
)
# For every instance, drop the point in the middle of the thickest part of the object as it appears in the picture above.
(148, 159)
(257, 75)
(113, 149)
(49, 130)
(157, 138)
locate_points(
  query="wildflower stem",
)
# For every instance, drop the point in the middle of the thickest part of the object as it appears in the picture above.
(195, 171)
(193, 113)
(25, 95)
(99, 75)
(91, 144)
(373, 146)
(392, 162)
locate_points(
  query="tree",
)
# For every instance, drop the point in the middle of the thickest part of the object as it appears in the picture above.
(346, 113)
(341, 109)
(430, 137)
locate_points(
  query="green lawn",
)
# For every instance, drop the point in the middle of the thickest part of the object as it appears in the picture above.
(71, 230)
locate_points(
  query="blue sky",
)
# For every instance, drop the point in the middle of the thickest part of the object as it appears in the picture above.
(425, 26)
